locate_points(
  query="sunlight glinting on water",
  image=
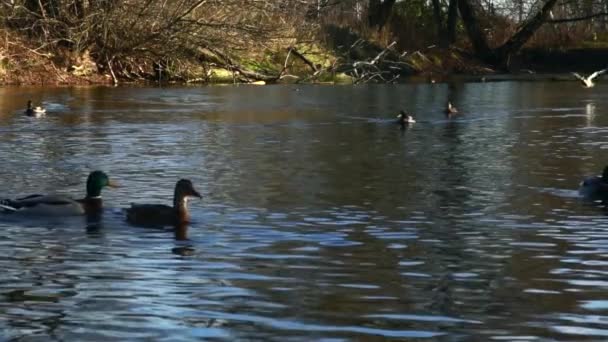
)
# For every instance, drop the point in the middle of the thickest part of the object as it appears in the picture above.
(320, 218)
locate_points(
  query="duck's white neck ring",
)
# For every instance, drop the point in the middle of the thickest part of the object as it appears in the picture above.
(95, 197)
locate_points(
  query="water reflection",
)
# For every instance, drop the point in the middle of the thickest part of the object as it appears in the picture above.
(590, 113)
(322, 219)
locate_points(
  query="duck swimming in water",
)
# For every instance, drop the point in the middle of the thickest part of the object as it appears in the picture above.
(595, 187)
(36, 112)
(164, 215)
(450, 109)
(405, 119)
(59, 205)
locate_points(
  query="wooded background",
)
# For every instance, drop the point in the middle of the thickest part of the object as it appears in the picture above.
(133, 39)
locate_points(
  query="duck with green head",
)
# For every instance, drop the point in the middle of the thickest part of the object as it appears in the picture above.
(595, 187)
(164, 215)
(59, 205)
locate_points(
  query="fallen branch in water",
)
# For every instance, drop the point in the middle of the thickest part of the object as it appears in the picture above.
(241, 73)
(114, 79)
(383, 67)
(383, 52)
(303, 58)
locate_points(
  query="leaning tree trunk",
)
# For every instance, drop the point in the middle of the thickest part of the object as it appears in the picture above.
(501, 56)
(521, 37)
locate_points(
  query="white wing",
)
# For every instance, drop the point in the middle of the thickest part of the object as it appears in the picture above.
(578, 76)
(596, 74)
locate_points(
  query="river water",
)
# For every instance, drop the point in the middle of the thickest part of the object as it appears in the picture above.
(320, 219)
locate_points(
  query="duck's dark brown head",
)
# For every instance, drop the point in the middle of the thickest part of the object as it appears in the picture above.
(184, 188)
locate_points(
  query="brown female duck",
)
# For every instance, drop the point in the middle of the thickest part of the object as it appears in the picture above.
(164, 215)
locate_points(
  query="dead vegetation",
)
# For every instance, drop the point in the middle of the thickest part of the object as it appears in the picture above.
(119, 41)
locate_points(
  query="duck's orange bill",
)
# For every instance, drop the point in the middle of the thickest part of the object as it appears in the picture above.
(113, 184)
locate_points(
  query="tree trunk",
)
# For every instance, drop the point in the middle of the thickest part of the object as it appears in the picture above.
(521, 37)
(379, 12)
(606, 18)
(520, 11)
(501, 56)
(452, 20)
(474, 31)
(437, 15)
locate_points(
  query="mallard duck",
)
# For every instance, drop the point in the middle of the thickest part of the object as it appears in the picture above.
(405, 119)
(450, 109)
(31, 111)
(59, 205)
(587, 82)
(164, 215)
(596, 186)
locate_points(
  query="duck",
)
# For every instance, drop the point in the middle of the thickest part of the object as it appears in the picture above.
(450, 109)
(36, 112)
(59, 205)
(405, 119)
(595, 187)
(587, 82)
(165, 215)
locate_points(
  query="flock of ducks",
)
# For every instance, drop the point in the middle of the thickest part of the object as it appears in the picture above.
(594, 188)
(404, 119)
(177, 214)
(92, 204)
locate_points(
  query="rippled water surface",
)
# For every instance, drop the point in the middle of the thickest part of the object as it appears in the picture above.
(320, 219)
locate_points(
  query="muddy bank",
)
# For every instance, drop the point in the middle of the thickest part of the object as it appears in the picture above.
(366, 64)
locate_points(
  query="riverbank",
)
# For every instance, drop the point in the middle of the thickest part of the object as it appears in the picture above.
(308, 66)
(20, 65)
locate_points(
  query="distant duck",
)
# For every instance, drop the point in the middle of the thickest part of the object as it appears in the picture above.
(587, 82)
(59, 205)
(595, 187)
(450, 109)
(31, 111)
(405, 119)
(164, 215)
